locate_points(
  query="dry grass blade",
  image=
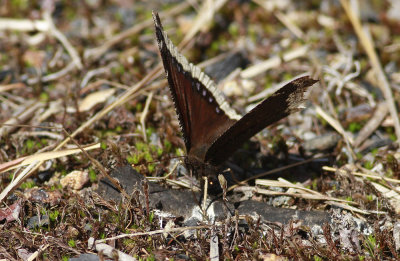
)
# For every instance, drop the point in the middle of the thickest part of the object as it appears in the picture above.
(26, 111)
(144, 115)
(24, 25)
(274, 62)
(204, 17)
(368, 45)
(379, 115)
(12, 86)
(334, 123)
(33, 161)
(95, 53)
(38, 252)
(271, 172)
(17, 163)
(311, 194)
(289, 24)
(350, 208)
(359, 174)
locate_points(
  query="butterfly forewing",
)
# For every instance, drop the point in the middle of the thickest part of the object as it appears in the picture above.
(202, 112)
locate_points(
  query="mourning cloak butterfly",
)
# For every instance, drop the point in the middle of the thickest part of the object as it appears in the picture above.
(212, 130)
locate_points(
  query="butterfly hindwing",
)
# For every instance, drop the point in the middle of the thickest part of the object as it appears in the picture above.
(279, 105)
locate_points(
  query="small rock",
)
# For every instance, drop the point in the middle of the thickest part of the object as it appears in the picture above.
(35, 221)
(321, 143)
(396, 235)
(75, 180)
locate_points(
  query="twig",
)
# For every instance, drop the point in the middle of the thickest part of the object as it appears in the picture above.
(368, 45)
(379, 115)
(97, 71)
(12, 86)
(53, 76)
(154, 232)
(64, 41)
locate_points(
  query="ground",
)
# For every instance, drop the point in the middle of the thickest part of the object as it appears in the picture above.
(83, 96)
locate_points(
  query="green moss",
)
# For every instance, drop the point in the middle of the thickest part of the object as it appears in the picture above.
(368, 165)
(29, 144)
(233, 29)
(151, 216)
(178, 152)
(103, 145)
(374, 152)
(28, 184)
(128, 242)
(159, 152)
(133, 159)
(139, 107)
(167, 146)
(149, 131)
(20, 4)
(118, 70)
(151, 167)
(287, 76)
(92, 175)
(140, 146)
(118, 129)
(148, 157)
(354, 127)
(53, 215)
(317, 258)
(44, 97)
(72, 243)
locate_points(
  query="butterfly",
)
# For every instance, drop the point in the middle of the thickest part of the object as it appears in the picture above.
(212, 130)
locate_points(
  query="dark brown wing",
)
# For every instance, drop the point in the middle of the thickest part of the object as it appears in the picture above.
(202, 111)
(279, 105)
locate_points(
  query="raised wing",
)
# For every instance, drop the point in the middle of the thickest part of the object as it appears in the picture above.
(202, 111)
